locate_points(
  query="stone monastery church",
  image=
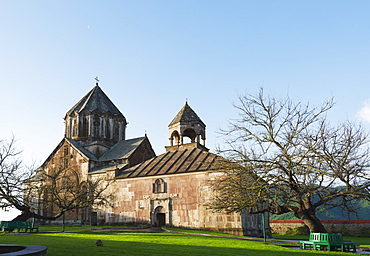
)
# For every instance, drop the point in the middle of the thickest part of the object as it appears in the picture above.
(171, 189)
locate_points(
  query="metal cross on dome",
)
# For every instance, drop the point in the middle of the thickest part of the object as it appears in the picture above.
(97, 79)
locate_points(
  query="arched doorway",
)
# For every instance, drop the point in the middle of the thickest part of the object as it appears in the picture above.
(159, 217)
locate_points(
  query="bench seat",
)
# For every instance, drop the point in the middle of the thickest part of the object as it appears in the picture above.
(17, 225)
(327, 242)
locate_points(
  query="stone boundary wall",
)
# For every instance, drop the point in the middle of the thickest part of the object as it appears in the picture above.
(345, 227)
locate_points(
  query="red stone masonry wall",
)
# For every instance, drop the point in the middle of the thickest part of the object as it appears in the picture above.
(184, 203)
(76, 163)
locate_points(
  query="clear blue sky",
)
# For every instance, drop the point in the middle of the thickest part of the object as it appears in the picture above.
(150, 56)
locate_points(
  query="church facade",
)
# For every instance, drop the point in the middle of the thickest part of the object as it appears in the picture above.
(171, 189)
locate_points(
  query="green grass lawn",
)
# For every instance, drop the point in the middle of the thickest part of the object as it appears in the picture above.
(136, 243)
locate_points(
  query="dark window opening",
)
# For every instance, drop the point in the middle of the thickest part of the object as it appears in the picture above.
(159, 186)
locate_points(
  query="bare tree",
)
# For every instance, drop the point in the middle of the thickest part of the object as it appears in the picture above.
(285, 157)
(64, 190)
(34, 192)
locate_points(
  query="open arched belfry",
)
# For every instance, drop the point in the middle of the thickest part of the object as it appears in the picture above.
(170, 189)
(187, 124)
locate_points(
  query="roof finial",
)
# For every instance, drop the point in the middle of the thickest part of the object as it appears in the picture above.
(97, 80)
(186, 101)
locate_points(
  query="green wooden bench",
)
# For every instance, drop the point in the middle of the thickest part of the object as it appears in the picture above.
(17, 225)
(14, 225)
(327, 242)
(31, 227)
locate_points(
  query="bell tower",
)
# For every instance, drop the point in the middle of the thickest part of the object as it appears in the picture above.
(187, 124)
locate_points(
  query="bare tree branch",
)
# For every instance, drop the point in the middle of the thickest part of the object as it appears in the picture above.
(62, 189)
(285, 157)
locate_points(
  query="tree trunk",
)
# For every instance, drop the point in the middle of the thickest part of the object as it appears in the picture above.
(312, 222)
(64, 223)
(24, 216)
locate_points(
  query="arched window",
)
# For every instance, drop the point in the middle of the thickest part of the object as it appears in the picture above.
(175, 136)
(74, 127)
(116, 131)
(159, 186)
(96, 126)
(66, 156)
(107, 129)
(84, 128)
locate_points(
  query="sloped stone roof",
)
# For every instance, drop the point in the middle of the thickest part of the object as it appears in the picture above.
(96, 99)
(186, 114)
(122, 149)
(86, 153)
(81, 149)
(173, 162)
(108, 168)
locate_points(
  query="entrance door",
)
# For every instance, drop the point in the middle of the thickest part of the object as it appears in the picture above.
(94, 219)
(161, 219)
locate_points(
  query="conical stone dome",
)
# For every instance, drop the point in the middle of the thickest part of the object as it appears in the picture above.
(95, 118)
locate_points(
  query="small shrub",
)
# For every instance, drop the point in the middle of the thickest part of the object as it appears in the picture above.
(289, 231)
(363, 232)
(344, 231)
(303, 230)
(332, 229)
